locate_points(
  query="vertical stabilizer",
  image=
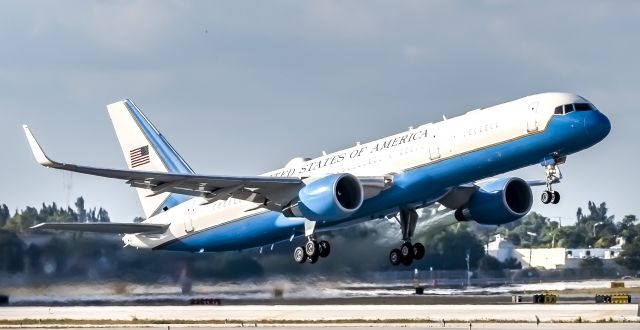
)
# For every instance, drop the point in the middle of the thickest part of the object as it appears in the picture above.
(144, 148)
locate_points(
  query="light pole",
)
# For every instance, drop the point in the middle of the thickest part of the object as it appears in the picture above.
(594, 227)
(531, 245)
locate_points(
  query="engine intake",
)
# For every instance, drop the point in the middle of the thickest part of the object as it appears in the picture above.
(333, 197)
(499, 202)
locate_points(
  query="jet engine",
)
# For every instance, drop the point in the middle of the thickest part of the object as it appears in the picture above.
(497, 203)
(330, 198)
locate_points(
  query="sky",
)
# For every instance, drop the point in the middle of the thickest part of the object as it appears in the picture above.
(241, 87)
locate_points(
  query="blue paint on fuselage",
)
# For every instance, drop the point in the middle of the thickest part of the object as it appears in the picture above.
(564, 135)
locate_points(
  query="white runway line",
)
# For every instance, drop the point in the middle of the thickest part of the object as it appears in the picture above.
(522, 312)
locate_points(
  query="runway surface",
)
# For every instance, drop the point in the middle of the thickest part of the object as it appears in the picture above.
(329, 313)
(465, 326)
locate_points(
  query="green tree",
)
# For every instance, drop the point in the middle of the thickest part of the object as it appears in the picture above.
(103, 215)
(511, 263)
(4, 215)
(630, 255)
(82, 212)
(629, 228)
(447, 249)
(11, 252)
(489, 263)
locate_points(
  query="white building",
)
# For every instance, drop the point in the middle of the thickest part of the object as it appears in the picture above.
(552, 258)
(500, 248)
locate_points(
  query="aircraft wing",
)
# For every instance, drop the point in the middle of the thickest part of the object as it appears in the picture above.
(212, 187)
(272, 192)
(105, 227)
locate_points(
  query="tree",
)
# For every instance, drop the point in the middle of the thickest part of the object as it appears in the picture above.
(630, 255)
(82, 212)
(489, 263)
(103, 215)
(511, 263)
(4, 215)
(11, 252)
(447, 249)
(629, 228)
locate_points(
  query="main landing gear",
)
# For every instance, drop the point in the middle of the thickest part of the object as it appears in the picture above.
(407, 252)
(553, 175)
(311, 251)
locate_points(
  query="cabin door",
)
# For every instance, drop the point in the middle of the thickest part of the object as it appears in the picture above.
(188, 216)
(532, 117)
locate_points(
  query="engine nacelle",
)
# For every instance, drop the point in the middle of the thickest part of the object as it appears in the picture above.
(333, 197)
(497, 203)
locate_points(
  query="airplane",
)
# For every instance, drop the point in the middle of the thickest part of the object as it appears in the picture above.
(451, 164)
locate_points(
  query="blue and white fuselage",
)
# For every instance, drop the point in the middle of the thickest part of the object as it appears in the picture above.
(433, 163)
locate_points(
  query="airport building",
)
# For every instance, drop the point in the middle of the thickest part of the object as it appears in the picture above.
(552, 258)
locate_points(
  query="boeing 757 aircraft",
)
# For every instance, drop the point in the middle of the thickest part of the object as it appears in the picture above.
(451, 164)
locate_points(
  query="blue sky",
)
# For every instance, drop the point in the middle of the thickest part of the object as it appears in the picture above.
(240, 87)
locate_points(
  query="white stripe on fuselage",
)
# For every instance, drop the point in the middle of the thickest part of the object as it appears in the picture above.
(413, 148)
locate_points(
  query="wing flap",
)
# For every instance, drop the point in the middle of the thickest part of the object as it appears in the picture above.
(106, 228)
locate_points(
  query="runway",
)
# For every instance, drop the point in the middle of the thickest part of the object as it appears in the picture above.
(330, 314)
(465, 326)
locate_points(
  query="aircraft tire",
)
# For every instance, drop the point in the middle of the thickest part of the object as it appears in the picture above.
(418, 251)
(556, 197)
(311, 248)
(546, 197)
(395, 257)
(314, 258)
(325, 249)
(407, 262)
(406, 251)
(299, 255)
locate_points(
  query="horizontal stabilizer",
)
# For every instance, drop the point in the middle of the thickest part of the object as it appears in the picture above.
(106, 227)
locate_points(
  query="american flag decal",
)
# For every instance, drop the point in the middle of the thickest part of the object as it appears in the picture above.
(139, 156)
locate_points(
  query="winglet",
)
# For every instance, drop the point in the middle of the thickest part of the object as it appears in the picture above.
(38, 153)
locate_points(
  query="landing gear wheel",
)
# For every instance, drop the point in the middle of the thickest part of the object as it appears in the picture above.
(299, 255)
(406, 251)
(314, 258)
(407, 262)
(418, 251)
(325, 249)
(311, 248)
(546, 197)
(556, 197)
(395, 257)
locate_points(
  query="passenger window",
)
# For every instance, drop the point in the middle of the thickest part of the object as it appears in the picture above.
(568, 108)
(584, 107)
(558, 111)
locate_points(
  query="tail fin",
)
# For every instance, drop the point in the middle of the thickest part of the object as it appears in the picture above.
(144, 148)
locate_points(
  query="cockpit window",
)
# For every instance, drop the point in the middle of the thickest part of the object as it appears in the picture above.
(584, 107)
(568, 108)
(558, 111)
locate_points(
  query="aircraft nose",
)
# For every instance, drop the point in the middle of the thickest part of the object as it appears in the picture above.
(597, 125)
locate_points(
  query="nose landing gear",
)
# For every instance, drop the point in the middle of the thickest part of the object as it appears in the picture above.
(407, 252)
(553, 175)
